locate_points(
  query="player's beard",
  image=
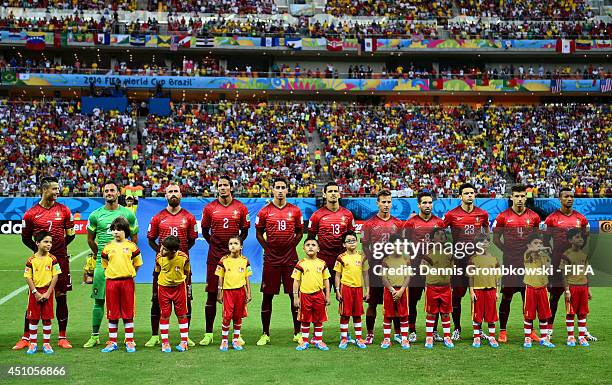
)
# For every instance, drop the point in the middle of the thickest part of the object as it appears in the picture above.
(174, 202)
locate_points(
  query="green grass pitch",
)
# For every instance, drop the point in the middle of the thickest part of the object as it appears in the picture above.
(279, 363)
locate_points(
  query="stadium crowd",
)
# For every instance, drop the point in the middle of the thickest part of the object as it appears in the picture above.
(530, 30)
(405, 148)
(525, 9)
(409, 9)
(215, 6)
(408, 149)
(554, 146)
(51, 138)
(253, 27)
(72, 23)
(253, 142)
(209, 66)
(413, 19)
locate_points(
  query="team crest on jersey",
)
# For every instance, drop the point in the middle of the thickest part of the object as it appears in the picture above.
(289, 216)
(126, 250)
(57, 215)
(177, 268)
(528, 222)
(477, 219)
(319, 269)
(47, 268)
(577, 222)
(235, 214)
(342, 219)
(357, 263)
(241, 269)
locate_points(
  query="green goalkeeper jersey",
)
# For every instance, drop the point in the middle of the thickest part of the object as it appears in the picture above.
(100, 221)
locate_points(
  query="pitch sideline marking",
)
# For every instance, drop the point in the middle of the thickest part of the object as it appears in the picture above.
(17, 291)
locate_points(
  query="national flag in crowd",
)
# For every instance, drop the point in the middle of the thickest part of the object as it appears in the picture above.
(369, 44)
(565, 46)
(137, 40)
(334, 44)
(269, 41)
(163, 41)
(203, 42)
(294, 43)
(555, 85)
(605, 85)
(35, 41)
(184, 41)
(102, 38)
(584, 44)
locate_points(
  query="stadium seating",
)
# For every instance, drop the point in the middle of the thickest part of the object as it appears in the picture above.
(252, 143)
(525, 9)
(555, 145)
(215, 6)
(410, 9)
(42, 139)
(408, 149)
(530, 30)
(62, 24)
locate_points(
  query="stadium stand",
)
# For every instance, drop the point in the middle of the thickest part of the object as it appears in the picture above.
(555, 146)
(251, 142)
(55, 139)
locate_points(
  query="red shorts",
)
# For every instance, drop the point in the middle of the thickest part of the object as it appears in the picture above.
(212, 280)
(352, 301)
(579, 301)
(536, 303)
(438, 299)
(312, 307)
(272, 276)
(64, 280)
(397, 308)
(39, 310)
(120, 296)
(376, 295)
(156, 290)
(168, 295)
(234, 304)
(485, 306)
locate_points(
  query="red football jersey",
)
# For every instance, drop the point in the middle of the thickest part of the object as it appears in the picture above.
(419, 230)
(329, 226)
(557, 224)
(57, 220)
(182, 224)
(377, 230)
(515, 229)
(280, 225)
(465, 226)
(224, 222)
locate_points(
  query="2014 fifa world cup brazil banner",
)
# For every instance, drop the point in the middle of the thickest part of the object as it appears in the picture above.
(297, 83)
(598, 212)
